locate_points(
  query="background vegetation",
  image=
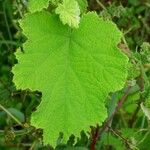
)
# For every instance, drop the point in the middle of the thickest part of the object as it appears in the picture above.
(127, 125)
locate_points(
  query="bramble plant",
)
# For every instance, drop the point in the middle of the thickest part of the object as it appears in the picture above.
(72, 57)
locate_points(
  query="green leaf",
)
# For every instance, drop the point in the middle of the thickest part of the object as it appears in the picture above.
(38, 5)
(74, 69)
(112, 141)
(146, 111)
(69, 13)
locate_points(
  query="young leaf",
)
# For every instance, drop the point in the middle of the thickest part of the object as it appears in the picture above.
(69, 13)
(74, 69)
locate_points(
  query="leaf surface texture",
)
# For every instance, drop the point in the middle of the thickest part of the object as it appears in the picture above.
(74, 69)
(38, 5)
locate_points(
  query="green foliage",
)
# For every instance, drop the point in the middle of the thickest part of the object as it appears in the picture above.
(129, 127)
(37, 5)
(69, 13)
(69, 76)
(68, 10)
(146, 111)
(112, 141)
(83, 4)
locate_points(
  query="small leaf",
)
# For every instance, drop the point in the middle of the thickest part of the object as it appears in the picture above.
(69, 13)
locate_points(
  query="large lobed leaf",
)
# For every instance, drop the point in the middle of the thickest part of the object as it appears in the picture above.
(74, 68)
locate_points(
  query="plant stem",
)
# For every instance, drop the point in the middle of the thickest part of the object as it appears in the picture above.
(95, 133)
(9, 42)
(32, 146)
(6, 22)
(12, 116)
(102, 6)
(120, 103)
(98, 132)
(128, 143)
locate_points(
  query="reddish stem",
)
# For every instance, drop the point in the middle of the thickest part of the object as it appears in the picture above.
(96, 133)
